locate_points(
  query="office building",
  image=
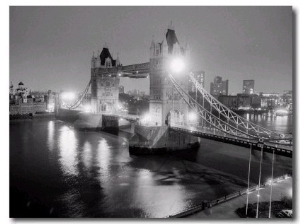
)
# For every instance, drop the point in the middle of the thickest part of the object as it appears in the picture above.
(248, 86)
(219, 87)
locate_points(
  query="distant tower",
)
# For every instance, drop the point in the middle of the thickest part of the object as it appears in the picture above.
(118, 63)
(21, 85)
(164, 99)
(11, 89)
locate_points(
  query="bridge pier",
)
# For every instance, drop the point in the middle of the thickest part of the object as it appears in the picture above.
(132, 128)
(110, 124)
(160, 139)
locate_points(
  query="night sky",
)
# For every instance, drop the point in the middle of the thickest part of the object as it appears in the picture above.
(51, 47)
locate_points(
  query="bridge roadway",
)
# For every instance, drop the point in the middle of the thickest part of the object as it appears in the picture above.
(125, 116)
(214, 134)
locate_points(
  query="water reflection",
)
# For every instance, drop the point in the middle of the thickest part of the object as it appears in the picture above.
(282, 124)
(165, 197)
(50, 138)
(108, 182)
(104, 154)
(87, 155)
(68, 151)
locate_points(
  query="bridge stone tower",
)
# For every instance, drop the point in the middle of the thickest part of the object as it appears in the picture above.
(165, 101)
(104, 88)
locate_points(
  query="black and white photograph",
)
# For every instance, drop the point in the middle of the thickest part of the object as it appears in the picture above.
(151, 112)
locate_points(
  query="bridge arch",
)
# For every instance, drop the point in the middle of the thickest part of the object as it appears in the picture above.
(106, 107)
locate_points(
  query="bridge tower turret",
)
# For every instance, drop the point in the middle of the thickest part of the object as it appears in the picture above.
(164, 99)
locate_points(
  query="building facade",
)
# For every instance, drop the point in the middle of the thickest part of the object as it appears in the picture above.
(248, 86)
(23, 102)
(219, 87)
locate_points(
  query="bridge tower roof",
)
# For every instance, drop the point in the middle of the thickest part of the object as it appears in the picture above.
(171, 39)
(106, 54)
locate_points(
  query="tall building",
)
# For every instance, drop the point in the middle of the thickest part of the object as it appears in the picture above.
(248, 86)
(200, 77)
(219, 87)
(121, 89)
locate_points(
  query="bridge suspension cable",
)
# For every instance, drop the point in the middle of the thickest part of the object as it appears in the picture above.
(81, 97)
(207, 115)
(234, 125)
(240, 121)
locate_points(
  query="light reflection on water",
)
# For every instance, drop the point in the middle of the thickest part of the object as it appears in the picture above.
(87, 155)
(93, 174)
(282, 124)
(50, 139)
(68, 152)
(104, 154)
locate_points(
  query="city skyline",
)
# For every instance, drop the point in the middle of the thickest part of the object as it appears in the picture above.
(226, 41)
(109, 118)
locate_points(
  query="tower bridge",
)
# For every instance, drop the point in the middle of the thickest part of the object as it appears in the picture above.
(169, 125)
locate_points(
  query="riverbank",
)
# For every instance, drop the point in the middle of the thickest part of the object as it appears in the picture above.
(30, 116)
(227, 210)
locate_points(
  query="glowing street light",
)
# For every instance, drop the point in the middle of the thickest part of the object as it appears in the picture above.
(69, 96)
(290, 193)
(177, 65)
(192, 117)
(146, 119)
(87, 108)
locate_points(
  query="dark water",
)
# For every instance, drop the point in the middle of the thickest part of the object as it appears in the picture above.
(59, 171)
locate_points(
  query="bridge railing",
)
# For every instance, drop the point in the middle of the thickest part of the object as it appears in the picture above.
(225, 198)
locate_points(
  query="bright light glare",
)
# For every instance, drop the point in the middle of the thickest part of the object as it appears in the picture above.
(68, 96)
(146, 119)
(270, 181)
(87, 108)
(290, 192)
(120, 106)
(50, 107)
(177, 65)
(192, 116)
(282, 111)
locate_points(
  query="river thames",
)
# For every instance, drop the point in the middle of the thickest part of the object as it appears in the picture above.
(59, 171)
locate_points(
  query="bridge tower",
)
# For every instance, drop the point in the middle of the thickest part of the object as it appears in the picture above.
(165, 101)
(104, 88)
(166, 105)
